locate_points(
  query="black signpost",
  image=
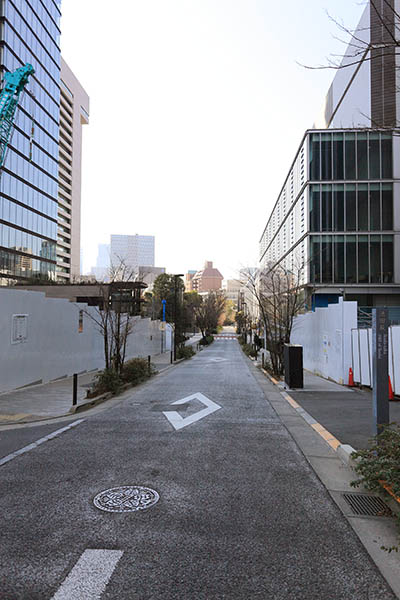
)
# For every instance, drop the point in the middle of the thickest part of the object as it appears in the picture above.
(380, 368)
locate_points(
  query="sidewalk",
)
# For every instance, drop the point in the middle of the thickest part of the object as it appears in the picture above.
(54, 399)
(346, 413)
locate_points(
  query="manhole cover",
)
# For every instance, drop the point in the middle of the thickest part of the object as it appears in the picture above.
(369, 506)
(126, 498)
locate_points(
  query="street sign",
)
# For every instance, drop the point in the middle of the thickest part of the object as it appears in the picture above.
(179, 422)
(380, 370)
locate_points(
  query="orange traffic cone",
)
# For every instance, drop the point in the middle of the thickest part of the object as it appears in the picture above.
(391, 395)
(351, 380)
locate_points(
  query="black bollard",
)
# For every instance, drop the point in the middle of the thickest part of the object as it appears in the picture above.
(75, 390)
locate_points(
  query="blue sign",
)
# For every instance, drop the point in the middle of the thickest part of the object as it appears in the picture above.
(164, 302)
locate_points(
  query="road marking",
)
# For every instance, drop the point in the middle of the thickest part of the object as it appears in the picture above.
(217, 359)
(34, 445)
(179, 422)
(89, 577)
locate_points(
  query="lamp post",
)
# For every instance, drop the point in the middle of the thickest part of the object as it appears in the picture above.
(175, 306)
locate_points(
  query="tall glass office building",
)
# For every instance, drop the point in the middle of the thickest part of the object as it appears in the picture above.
(29, 33)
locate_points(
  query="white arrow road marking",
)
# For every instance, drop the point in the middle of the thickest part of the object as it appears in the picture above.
(217, 359)
(179, 422)
(89, 577)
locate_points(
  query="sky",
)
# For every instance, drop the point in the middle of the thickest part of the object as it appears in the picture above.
(197, 108)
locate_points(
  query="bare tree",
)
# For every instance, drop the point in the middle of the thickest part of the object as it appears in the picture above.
(279, 297)
(377, 43)
(209, 312)
(113, 317)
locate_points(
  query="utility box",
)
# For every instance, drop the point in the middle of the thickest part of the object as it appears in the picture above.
(293, 362)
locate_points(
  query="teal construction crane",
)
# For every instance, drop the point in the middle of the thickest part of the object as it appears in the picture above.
(14, 83)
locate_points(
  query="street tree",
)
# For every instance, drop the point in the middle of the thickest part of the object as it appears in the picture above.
(279, 297)
(171, 289)
(209, 312)
(114, 315)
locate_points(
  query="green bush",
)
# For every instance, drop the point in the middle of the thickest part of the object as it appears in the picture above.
(185, 352)
(107, 380)
(381, 461)
(248, 349)
(205, 341)
(136, 370)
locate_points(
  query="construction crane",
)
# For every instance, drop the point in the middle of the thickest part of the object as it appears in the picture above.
(14, 83)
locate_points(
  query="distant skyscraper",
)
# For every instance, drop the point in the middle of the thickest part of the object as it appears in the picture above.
(103, 256)
(133, 251)
(102, 269)
(29, 182)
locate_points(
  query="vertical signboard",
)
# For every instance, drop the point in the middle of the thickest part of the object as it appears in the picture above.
(380, 352)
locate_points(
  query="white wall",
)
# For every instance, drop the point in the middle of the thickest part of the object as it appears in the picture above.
(54, 347)
(362, 356)
(326, 339)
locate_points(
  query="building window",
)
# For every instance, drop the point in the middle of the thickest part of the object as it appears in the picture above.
(19, 329)
(353, 156)
(351, 259)
(351, 207)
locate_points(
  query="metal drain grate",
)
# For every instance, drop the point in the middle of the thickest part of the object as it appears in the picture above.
(367, 506)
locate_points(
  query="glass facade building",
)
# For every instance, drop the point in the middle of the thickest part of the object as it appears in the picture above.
(29, 32)
(336, 215)
(348, 216)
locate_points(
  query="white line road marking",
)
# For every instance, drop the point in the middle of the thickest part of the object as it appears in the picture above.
(34, 445)
(89, 577)
(217, 359)
(179, 422)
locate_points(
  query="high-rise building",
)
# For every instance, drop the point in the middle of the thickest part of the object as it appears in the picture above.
(102, 269)
(337, 217)
(74, 112)
(29, 179)
(133, 251)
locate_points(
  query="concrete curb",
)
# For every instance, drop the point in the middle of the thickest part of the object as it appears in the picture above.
(343, 451)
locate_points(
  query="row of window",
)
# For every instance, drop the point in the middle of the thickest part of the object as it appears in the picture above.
(27, 195)
(350, 155)
(15, 265)
(351, 207)
(14, 214)
(26, 242)
(12, 63)
(39, 46)
(27, 49)
(37, 19)
(351, 259)
(29, 173)
(34, 156)
(41, 136)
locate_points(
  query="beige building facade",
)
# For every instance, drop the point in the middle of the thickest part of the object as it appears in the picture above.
(74, 113)
(209, 279)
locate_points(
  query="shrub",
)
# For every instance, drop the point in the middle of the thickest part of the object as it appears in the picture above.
(205, 341)
(107, 380)
(248, 349)
(136, 370)
(381, 461)
(185, 352)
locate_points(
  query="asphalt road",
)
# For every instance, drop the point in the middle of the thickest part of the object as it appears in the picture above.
(240, 512)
